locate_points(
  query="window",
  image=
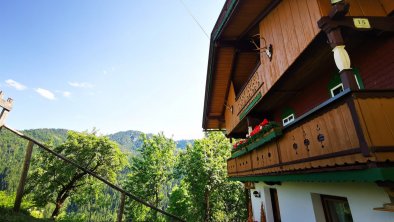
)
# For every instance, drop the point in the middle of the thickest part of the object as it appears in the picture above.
(336, 89)
(336, 209)
(288, 119)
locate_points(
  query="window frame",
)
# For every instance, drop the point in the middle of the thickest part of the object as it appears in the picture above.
(326, 209)
(336, 87)
(289, 120)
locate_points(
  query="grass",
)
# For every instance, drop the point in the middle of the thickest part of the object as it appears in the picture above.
(8, 215)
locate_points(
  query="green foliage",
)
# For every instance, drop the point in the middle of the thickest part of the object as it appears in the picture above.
(151, 177)
(204, 172)
(94, 202)
(53, 181)
(27, 213)
(181, 203)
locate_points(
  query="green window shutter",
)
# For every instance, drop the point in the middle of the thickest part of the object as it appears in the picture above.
(358, 77)
(287, 112)
(336, 80)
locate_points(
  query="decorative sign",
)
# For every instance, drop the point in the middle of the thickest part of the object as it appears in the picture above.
(249, 185)
(361, 23)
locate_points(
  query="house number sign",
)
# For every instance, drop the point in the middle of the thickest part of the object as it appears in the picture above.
(361, 23)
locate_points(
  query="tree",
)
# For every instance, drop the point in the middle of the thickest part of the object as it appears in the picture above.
(151, 176)
(53, 180)
(204, 170)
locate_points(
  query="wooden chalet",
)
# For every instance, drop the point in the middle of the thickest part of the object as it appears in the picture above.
(305, 90)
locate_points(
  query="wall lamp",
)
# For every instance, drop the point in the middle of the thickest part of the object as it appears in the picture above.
(267, 49)
(256, 194)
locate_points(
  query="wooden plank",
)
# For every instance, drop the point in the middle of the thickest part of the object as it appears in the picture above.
(298, 25)
(349, 125)
(267, 34)
(355, 9)
(314, 14)
(324, 6)
(327, 146)
(336, 128)
(349, 133)
(3, 117)
(22, 181)
(377, 127)
(286, 21)
(279, 44)
(283, 146)
(307, 23)
(387, 105)
(371, 8)
(388, 6)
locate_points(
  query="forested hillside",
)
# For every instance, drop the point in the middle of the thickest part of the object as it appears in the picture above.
(172, 179)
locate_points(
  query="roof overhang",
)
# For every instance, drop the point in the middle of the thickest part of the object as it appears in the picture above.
(230, 47)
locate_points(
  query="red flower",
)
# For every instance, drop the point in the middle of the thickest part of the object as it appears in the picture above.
(265, 122)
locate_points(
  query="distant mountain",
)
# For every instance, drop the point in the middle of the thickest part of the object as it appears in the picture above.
(129, 140)
(181, 144)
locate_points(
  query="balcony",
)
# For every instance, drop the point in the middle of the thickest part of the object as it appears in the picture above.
(354, 130)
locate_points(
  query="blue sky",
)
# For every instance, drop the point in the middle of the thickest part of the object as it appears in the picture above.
(114, 65)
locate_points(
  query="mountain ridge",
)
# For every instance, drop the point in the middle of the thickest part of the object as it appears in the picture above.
(128, 140)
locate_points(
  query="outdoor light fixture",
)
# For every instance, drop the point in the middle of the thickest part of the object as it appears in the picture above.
(256, 194)
(267, 48)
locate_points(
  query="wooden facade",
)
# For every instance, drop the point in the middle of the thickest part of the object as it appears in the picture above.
(290, 27)
(245, 86)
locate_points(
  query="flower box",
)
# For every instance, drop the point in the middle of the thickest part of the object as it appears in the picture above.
(258, 140)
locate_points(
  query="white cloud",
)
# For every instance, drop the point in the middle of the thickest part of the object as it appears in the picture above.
(81, 84)
(66, 94)
(15, 84)
(45, 93)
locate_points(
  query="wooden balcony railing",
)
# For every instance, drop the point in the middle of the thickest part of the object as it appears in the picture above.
(248, 95)
(353, 129)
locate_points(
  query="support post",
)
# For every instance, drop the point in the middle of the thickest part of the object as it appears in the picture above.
(334, 34)
(121, 207)
(22, 181)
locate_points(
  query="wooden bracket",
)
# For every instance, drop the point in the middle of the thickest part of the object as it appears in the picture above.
(7, 106)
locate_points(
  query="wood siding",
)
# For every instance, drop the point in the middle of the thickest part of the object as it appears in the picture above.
(376, 73)
(361, 7)
(377, 115)
(290, 27)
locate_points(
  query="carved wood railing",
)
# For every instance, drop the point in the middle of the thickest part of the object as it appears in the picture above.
(248, 94)
(352, 129)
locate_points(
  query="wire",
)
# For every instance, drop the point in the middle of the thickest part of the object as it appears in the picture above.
(194, 18)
